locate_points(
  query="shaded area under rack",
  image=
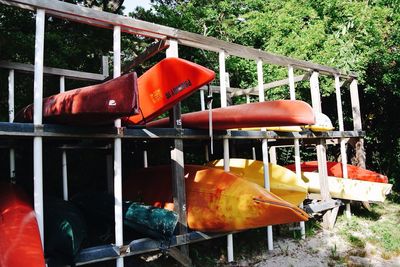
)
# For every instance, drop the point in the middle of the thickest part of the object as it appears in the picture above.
(139, 246)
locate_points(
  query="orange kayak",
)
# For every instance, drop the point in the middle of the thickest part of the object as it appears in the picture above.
(95, 104)
(262, 114)
(20, 243)
(217, 201)
(165, 84)
(335, 169)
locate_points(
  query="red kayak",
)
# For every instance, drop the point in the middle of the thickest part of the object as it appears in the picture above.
(95, 104)
(262, 114)
(20, 243)
(165, 84)
(335, 169)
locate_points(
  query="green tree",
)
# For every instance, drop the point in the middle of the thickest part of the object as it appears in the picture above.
(361, 36)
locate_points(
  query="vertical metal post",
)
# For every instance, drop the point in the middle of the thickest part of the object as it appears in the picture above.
(65, 174)
(119, 238)
(321, 148)
(177, 157)
(222, 84)
(64, 162)
(264, 146)
(297, 159)
(253, 149)
(105, 68)
(62, 84)
(291, 83)
(342, 140)
(202, 103)
(11, 119)
(272, 155)
(145, 163)
(203, 107)
(109, 157)
(222, 79)
(37, 120)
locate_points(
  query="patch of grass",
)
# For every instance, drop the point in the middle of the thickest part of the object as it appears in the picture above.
(356, 241)
(387, 234)
(379, 227)
(312, 227)
(334, 255)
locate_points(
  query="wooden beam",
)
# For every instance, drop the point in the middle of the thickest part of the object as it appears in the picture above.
(108, 20)
(234, 91)
(267, 86)
(149, 52)
(71, 74)
(321, 148)
(180, 257)
(177, 165)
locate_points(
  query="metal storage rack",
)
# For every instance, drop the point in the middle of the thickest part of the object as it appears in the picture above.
(37, 131)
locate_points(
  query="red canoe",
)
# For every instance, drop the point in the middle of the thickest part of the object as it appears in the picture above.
(165, 84)
(335, 169)
(95, 104)
(20, 243)
(263, 114)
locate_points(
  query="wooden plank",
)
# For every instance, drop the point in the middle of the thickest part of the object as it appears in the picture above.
(355, 104)
(71, 74)
(177, 164)
(149, 52)
(180, 257)
(91, 16)
(343, 153)
(267, 86)
(315, 93)
(254, 90)
(321, 148)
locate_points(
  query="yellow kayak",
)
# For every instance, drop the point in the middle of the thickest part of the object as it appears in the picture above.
(217, 201)
(350, 189)
(274, 128)
(283, 182)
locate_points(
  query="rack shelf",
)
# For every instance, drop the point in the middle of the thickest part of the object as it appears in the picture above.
(9, 130)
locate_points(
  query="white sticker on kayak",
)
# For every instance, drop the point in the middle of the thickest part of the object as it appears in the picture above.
(112, 102)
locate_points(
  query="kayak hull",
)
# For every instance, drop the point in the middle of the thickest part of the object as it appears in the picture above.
(95, 104)
(216, 201)
(20, 243)
(283, 182)
(335, 169)
(261, 114)
(165, 84)
(350, 189)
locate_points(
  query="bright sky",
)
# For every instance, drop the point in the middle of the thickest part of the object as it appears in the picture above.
(130, 5)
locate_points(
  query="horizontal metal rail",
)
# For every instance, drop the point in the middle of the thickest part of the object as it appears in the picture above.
(135, 26)
(71, 74)
(61, 131)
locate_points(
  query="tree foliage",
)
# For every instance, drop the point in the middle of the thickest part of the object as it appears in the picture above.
(359, 36)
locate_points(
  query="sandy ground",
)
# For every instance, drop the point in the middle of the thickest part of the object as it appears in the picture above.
(326, 248)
